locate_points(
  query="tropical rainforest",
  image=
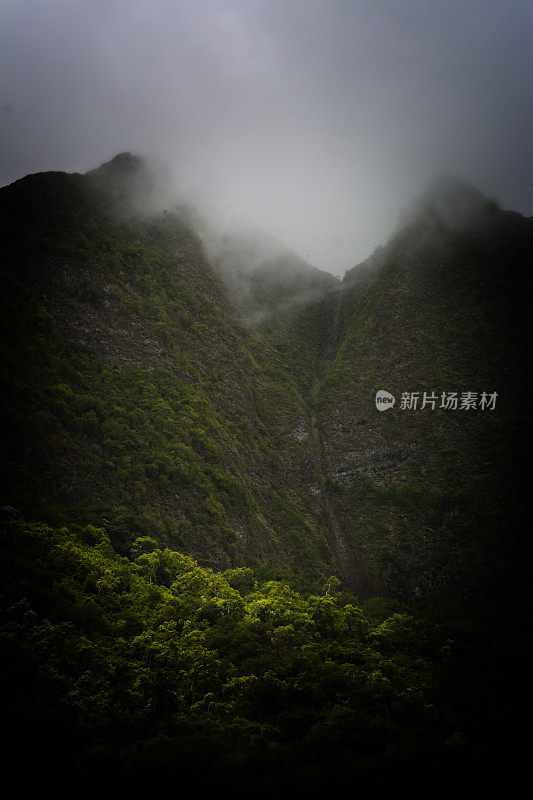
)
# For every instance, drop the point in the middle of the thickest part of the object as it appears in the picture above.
(221, 563)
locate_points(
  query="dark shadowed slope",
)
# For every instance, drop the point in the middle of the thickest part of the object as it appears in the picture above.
(151, 419)
(242, 429)
(135, 397)
(432, 500)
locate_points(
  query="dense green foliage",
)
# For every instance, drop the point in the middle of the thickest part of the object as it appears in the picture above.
(185, 482)
(129, 666)
(134, 398)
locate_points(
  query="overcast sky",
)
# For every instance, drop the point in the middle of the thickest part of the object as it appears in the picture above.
(317, 121)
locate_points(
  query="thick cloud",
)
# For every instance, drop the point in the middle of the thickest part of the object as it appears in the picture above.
(316, 121)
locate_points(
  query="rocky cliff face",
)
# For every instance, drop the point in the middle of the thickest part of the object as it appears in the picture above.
(146, 394)
(136, 396)
(423, 492)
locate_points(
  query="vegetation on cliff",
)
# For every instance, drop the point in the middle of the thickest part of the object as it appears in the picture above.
(221, 562)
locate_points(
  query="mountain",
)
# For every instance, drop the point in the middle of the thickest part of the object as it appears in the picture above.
(222, 560)
(223, 400)
(135, 394)
(433, 499)
(269, 283)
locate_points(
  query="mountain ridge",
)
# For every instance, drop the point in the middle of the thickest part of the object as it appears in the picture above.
(110, 282)
(222, 564)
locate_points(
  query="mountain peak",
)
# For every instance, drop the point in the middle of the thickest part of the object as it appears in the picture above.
(450, 186)
(122, 163)
(127, 177)
(455, 203)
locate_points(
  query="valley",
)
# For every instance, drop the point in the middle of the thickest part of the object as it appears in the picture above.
(214, 543)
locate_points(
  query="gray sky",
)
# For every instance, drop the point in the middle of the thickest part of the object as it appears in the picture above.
(317, 121)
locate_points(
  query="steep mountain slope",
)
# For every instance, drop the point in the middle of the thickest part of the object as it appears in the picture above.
(431, 501)
(241, 428)
(280, 294)
(134, 396)
(153, 418)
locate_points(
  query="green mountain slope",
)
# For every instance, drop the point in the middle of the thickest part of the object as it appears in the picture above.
(134, 396)
(173, 420)
(241, 428)
(432, 500)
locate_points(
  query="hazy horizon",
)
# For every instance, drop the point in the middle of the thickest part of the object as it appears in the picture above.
(315, 121)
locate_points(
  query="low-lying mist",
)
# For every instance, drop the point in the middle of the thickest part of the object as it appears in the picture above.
(268, 281)
(315, 122)
(263, 275)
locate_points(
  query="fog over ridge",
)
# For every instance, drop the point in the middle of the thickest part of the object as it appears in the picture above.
(315, 121)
